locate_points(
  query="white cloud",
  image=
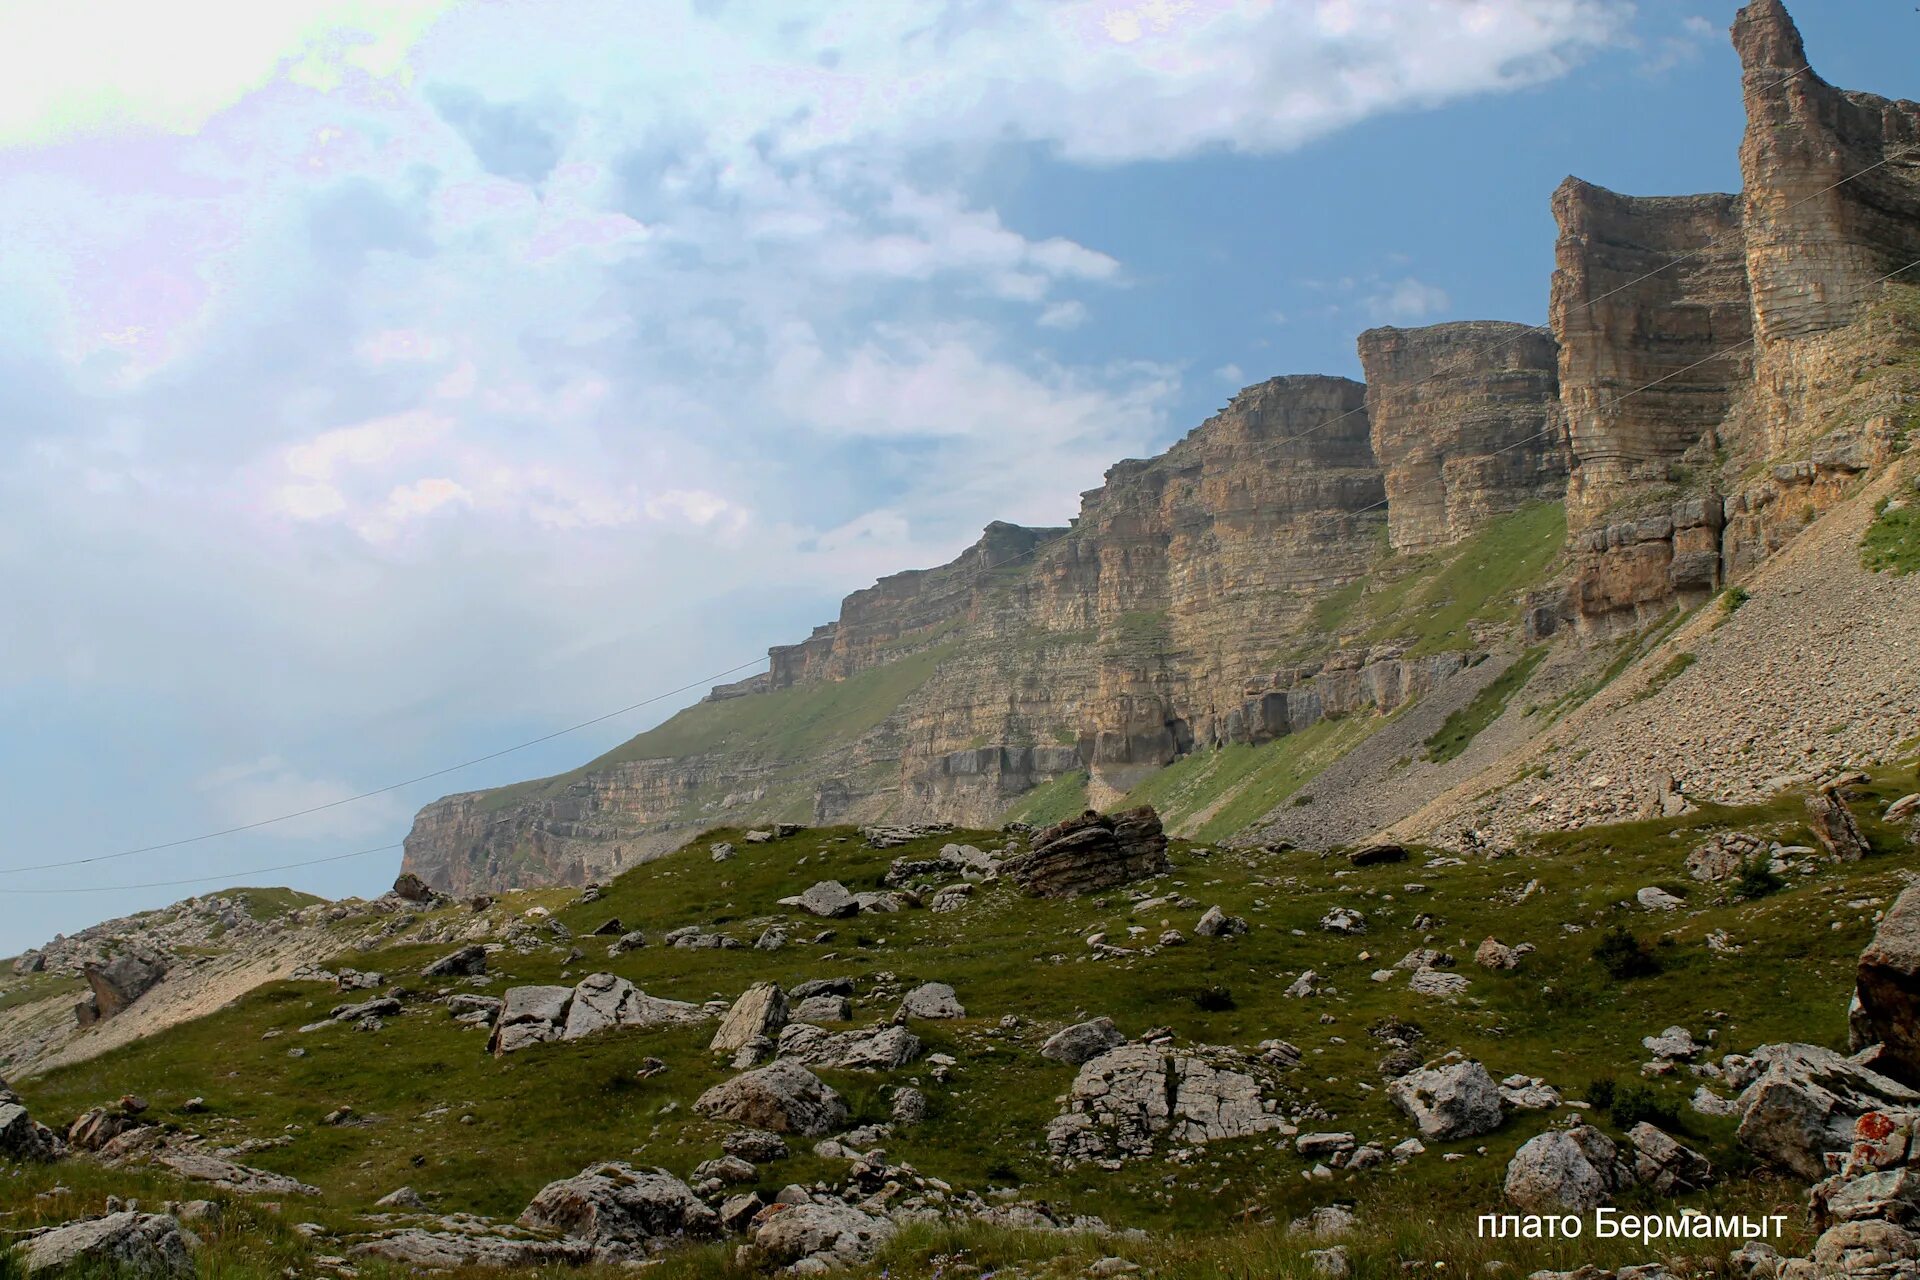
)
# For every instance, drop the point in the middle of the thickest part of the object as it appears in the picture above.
(1407, 300)
(260, 790)
(1231, 374)
(1068, 314)
(70, 67)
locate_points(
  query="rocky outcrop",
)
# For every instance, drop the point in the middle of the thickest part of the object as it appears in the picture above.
(1092, 852)
(617, 1207)
(1466, 425)
(116, 983)
(1566, 1171)
(782, 1098)
(1449, 1100)
(128, 1243)
(1887, 1001)
(1128, 1098)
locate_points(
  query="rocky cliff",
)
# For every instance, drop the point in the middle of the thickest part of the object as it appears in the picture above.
(1466, 425)
(1716, 372)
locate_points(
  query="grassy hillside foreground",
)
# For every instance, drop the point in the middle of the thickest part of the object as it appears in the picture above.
(476, 1134)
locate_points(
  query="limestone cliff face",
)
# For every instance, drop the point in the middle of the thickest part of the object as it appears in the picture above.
(1720, 355)
(1466, 425)
(1720, 370)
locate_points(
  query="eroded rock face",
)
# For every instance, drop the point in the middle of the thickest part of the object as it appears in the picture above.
(1803, 1109)
(116, 983)
(782, 1098)
(1092, 852)
(1126, 1099)
(146, 1244)
(872, 1049)
(825, 1235)
(1888, 989)
(616, 1204)
(1566, 1171)
(1449, 1100)
(1465, 421)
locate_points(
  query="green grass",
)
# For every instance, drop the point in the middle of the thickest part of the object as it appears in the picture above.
(1892, 541)
(1051, 802)
(21, 989)
(273, 903)
(549, 1111)
(1212, 794)
(1480, 581)
(1669, 671)
(792, 726)
(1464, 725)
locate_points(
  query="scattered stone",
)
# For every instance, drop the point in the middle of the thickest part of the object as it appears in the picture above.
(933, 1000)
(1654, 898)
(126, 1243)
(1724, 856)
(1834, 826)
(1218, 924)
(1082, 1041)
(759, 1012)
(465, 963)
(1666, 1165)
(1343, 920)
(784, 1097)
(1566, 1170)
(1449, 1100)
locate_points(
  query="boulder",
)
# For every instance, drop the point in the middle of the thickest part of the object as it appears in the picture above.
(1377, 855)
(812, 1238)
(1723, 856)
(1090, 853)
(1437, 982)
(529, 1015)
(1865, 1248)
(151, 1245)
(1834, 826)
(1806, 1106)
(1665, 1164)
(933, 1000)
(760, 1011)
(412, 888)
(1887, 989)
(1566, 1171)
(1654, 898)
(828, 898)
(114, 984)
(1494, 954)
(755, 1146)
(1449, 1100)
(199, 1166)
(1218, 924)
(871, 1049)
(1675, 1044)
(616, 1205)
(1343, 920)
(22, 1138)
(1127, 1098)
(420, 1250)
(467, 962)
(822, 1009)
(784, 1097)
(1082, 1041)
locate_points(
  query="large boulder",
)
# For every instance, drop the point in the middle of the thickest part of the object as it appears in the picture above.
(829, 898)
(530, 1015)
(1089, 853)
(467, 962)
(1666, 1165)
(1082, 1041)
(871, 1049)
(1834, 826)
(760, 1012)
(932, 1000)
(812, 1238)
(116, 983)
(1449, 1100)
(1807, 1106)
(1566, 1171)
(784, 1097)
(411, 887)
(616, 1206)
(1126, 1099)
(1888, 989)
(150, 1245)
(21, 1137)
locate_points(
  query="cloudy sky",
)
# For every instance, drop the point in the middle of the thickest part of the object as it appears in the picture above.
(383, 382)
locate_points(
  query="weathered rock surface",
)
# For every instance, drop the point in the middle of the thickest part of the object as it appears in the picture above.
(200, 1166)
(784, 1097)
(116, 983)
(1129, 1097)
(871, 1049)
(1805, 1106)
(1666, 1165)
(144, 1244)
(616, 1204)
(933, 1000)
(1090, 853)
(760, 1011)
(1082, 1041)
(23, 1138)
(1465, 425)
(422, 1249)
(1888, 990)
(1449, 1100)
(1566, 1171)
(822, 1235)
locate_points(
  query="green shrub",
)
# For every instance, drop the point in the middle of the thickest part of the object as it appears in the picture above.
(1757, 879)
(1600, 1092)
(1733, 597)
(1214, 999)
(1624, 956)
(1632, 1102)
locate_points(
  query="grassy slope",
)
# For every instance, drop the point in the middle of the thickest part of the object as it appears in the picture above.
(1464, 725)
(547, 1112)
(791, 725)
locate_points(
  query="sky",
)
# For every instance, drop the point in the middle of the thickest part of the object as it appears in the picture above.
(387, 382)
